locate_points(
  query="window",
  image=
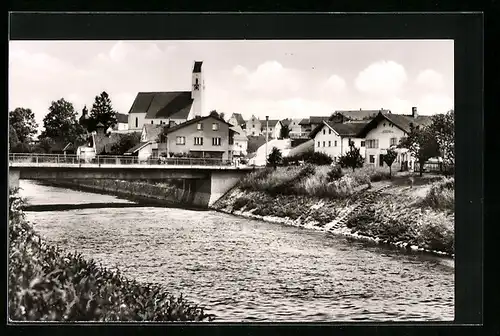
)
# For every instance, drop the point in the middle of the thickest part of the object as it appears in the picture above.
(372, 158)
(329, 144)
(319, 144)
(199, 126)
(324, 144)
(335, 143)
(216, 141)
(136, 122)
(215, 126)
(373, 143)
(198, 141)
(152, 122)
(197, 81)
(362, 144)
(324, 131)
(384, 124)
(253, 126)
(180, 140)
(394, 141)
(329, 131)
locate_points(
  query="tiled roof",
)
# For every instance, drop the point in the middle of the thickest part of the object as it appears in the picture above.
(103, 143)
(176, 105)
(121, 118)
(305, 121)
(271, 122)
(136, 147)
(239, 118)
(192, 121)
(348, 129)
(197, 66)
(401, 121)
(360, 114)
(318, 120)
(239, 133)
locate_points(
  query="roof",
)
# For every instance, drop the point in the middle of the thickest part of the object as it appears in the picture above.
(401, 121)
(271, 122)
(318, 120)
(197, 66)
(360, 114)
(121, 118)
(193, 121)
(304, 121)
(153, 131)
(238, 117)
(348, 129)
(103, 143)
(176, 104)
(239, 133)
(286, 122)
(100, 124)
(137, 147)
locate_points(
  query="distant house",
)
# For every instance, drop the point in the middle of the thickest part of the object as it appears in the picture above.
(236, 119)
(296, 129)
(240, 147)
(309, 124)
(334, 138)
(121, 122)
(202, 137)
(151, 144)
(98, 143)
(169, 108)
(253, 126)
(271, 127)
(386, 131)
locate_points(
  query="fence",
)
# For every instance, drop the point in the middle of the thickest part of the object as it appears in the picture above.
(36, 159)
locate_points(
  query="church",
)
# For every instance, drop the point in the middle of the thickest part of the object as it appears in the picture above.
(169, 108)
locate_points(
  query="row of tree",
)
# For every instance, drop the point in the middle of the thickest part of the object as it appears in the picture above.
(60, 125)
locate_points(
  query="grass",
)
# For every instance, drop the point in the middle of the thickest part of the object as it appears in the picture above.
(46, 284)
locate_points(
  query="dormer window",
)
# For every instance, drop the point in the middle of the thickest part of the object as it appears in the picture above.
(215, 126)
(199, 126)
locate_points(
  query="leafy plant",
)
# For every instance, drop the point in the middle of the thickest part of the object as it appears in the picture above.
(335, 173)
(389, 158)
(352, 159)
(275, 157)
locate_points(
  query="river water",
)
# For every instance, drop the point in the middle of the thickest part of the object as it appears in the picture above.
(248, 270)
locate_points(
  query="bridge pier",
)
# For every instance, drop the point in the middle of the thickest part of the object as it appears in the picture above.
(14, 175)
(221, 181)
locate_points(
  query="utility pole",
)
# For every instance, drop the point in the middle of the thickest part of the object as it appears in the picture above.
(267, 135)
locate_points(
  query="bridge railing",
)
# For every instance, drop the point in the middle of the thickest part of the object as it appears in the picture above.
(35, 158)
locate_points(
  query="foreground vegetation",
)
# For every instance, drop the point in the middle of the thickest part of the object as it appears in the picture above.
(46, 284)
(311, 180)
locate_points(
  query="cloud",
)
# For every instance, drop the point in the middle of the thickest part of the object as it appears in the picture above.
(334, 85)
(383, 78)
(434, 103)
(270, 78)
(430, 79)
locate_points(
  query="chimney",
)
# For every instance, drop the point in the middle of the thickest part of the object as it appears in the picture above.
(414, 112)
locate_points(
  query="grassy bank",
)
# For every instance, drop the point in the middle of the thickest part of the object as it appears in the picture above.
(47, 284)
(416, 213)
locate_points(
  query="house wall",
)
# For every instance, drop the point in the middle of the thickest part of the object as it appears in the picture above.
(141, 117)
(254, 126)
(191, 131)
(330, 148)
(145, 152)
(384, 131)
(241, 145)
(277, 131)
(122, 126)
(295, 128)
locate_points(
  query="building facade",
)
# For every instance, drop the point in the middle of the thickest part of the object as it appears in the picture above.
(253, 126)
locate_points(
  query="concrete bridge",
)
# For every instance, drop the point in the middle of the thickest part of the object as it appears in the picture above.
(214, 177)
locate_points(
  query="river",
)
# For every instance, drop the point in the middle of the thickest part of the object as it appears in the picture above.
(247, 270)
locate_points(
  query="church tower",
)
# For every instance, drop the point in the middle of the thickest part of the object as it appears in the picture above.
(197, 90)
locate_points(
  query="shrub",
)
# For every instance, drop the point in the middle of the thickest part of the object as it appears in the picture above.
(47, 285)
(311, 157)
(441, 195)
(240, 202)
(334, 174)
(439, 235)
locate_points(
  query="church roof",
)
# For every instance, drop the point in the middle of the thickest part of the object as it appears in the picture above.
(156, 105)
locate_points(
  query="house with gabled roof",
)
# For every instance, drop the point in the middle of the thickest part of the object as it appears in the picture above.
(333, 138)
(236, 119)
(253, 126)
(271, 127)
(386, 131)
(353, 115)
(169, 108)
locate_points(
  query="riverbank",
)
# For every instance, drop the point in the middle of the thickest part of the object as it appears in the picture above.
(174, 193)
(48, 284)
(388, 211)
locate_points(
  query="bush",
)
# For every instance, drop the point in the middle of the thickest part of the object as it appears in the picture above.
(334, 174)
(47, 285)
(240, 202)
(441, 195)
(316, 158)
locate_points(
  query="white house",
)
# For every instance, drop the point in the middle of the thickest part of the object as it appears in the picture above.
(169, 108)
(253, 126)
(271, 126)
(240, 146)
(386, 131)
(334, 138)
(151, 143)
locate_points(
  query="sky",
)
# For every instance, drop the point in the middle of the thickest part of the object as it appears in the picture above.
(276, 78)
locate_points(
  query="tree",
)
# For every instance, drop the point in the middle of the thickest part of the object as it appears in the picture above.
(102, 112)
(389, 158)
(126, 142)
(23, 124)
(443, 129)
(284, 131)
(275, 157)
(61, 125)
(352, 159)
(422, 144)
